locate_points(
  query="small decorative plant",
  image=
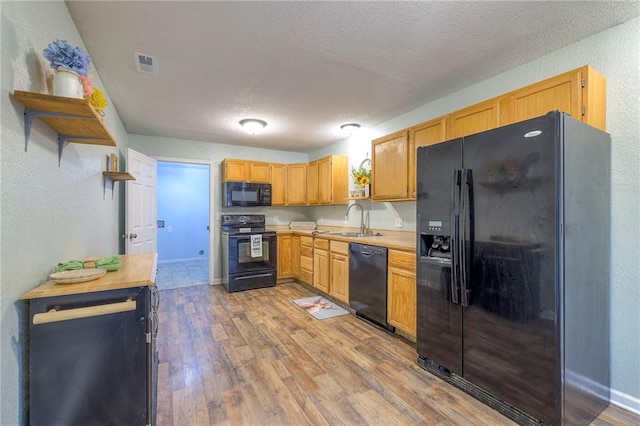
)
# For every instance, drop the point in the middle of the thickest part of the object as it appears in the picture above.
(98, 99)
(361, 176)
(62, 55)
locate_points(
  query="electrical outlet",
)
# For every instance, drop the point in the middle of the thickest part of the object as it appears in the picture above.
(398, 222)
(344, 219)
(275, 219)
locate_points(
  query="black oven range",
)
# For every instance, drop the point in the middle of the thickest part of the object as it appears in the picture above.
(249, 253)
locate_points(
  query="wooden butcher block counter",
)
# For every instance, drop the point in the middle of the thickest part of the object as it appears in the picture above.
(136, 270)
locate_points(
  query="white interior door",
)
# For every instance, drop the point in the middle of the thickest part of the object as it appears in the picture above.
(141, 214)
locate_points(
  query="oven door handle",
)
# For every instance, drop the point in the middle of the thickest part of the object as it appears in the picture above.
(253, 276)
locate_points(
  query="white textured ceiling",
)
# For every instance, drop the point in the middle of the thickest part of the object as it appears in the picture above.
(307, 67)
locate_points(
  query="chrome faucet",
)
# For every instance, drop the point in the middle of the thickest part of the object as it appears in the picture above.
(362, 227)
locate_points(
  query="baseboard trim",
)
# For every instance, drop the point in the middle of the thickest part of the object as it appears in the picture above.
(160, 262)
(216, 281)
(626, 402)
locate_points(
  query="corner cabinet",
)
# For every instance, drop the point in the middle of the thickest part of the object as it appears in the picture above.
(390, 167)
(75, 120)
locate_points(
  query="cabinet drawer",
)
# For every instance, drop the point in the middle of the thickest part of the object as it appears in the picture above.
(340, 247)
(306, 241)
(306, 263)
(306, 251)
(402, 259)
(321, 243)
(306, 276)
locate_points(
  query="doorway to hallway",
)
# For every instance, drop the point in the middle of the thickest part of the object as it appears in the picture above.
(184, 216)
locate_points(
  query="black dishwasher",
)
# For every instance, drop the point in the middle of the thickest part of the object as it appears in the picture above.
(368, 283)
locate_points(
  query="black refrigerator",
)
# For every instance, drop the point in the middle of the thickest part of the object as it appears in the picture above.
(513, 267)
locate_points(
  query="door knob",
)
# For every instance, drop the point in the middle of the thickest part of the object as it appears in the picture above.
(132, 236)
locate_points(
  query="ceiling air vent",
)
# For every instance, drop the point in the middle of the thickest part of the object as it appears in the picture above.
(146, 63)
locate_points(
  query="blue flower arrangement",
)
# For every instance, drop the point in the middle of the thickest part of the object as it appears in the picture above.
(62, 55)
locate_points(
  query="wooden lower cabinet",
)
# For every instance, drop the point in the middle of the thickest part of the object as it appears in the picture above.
(306, 260)
(402, 291)
(295, 256)
(339, 270)
(285, 264)
(321, 267)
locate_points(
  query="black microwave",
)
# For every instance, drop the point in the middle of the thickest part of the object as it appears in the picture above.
(244, 194)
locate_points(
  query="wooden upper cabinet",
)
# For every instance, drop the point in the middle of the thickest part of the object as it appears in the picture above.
(423, 134)
(327, 180)
(246, 171)
(278, 184)
(390, 167)
(333, 174)
(580, 93)
(312, 183)
(296, 184)
(259, 172)
(476, 118)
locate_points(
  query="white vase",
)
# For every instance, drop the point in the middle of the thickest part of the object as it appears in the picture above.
(67, 83)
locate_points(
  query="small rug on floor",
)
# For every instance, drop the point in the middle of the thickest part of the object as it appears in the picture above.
(320, 307)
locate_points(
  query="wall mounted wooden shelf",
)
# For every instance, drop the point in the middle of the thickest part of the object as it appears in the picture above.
(75, 120)
(114, 177)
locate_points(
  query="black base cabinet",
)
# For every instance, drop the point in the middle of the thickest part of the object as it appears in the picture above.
(92, 358)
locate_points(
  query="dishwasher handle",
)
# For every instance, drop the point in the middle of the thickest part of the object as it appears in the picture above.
(91, 311)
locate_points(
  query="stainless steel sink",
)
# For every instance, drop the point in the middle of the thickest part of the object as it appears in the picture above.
(354, 234)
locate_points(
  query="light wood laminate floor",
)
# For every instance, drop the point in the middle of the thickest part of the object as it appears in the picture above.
(255, 358)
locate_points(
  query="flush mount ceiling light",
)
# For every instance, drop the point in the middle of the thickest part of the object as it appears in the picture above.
(253, 125)
(350, 128)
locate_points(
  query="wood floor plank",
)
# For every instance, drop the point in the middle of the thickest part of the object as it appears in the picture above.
(256, 358)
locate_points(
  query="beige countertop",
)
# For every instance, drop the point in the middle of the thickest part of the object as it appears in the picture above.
(399, 240)
(136, 270)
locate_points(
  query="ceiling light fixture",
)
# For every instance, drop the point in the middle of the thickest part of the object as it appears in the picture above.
(350, 128)
(253, 126)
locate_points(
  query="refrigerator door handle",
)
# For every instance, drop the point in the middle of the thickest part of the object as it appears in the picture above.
(466, 212)
(455, 217)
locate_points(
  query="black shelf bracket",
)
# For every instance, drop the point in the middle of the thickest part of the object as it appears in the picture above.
(30, 114)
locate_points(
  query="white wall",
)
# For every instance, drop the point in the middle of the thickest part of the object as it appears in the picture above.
(616, 54)
(48, 214)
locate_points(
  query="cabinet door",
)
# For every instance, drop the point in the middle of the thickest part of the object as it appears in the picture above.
(312, 183)
(402, 299)
(321, 270)
(259, 172)
(278, 185)
(284, 257)
(563, 93)
(236, 170)
(296, 184)
(475, 119)
(325, 183)
(295, 256)
(339, 283)
(424, 134)
(390, 167)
